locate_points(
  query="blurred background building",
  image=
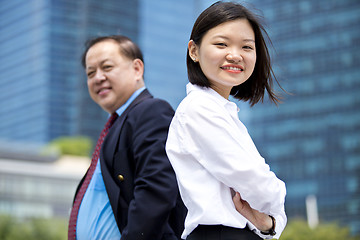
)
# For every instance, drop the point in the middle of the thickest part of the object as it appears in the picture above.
(311, 141)
(41, 42)
(39, 186)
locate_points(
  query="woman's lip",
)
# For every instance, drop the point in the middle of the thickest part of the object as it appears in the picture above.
(232, 68)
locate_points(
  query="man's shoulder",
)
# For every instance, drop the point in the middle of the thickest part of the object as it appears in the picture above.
(151, 108)
(153, 104)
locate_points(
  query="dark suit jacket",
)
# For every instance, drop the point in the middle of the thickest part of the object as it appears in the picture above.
(138, 176)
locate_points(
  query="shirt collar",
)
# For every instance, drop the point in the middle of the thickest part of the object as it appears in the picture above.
(230, 106)
(129, 101)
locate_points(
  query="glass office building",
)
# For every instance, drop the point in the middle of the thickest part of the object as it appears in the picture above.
(46, 96)
(41, 43)
(312, 140)
(165, 28)
(44, 88)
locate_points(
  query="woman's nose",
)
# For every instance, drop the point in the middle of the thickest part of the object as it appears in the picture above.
(234, 56)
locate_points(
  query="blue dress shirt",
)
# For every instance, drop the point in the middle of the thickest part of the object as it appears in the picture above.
(96, 219)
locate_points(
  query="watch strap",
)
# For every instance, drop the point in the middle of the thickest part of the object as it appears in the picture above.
(271, 231)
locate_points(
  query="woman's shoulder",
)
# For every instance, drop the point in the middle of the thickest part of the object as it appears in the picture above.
(199, 101)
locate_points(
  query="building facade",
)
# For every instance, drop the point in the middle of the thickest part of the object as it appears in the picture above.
(46, 96)
(42, 187)
(312, 140)
(164, 32)
(41, 43)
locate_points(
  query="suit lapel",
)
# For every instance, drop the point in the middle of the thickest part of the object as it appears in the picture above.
(113, 135)
(108, 150)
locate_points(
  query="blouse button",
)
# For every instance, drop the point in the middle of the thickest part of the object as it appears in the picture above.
(120, 177)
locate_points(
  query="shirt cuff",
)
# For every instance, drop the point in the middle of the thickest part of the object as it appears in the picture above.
(257, 232)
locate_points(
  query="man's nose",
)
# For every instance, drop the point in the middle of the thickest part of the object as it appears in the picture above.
(99, 76)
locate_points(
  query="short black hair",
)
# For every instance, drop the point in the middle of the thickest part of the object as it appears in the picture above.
(127, 47)
(253, 89)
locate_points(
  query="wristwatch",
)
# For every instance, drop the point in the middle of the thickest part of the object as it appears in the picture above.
(271, 231)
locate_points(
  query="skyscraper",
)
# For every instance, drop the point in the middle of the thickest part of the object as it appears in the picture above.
(44, 87)
(312, 140)
(164, 32)
(45, 94)
(41, 44)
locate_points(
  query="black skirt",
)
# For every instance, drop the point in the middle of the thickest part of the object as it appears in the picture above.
(220, 232)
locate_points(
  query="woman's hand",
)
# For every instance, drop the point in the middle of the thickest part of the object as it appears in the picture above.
(260, 220)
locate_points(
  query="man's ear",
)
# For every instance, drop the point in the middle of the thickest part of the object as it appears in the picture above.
(193, 51)
(139, 68)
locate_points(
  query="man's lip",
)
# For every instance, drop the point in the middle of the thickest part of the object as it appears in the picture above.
(103, 90)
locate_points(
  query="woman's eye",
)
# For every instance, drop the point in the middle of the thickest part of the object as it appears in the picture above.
(221, 44)
(248, 47)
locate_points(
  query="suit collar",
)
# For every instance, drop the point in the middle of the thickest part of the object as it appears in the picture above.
(110, 144)
(114, 130)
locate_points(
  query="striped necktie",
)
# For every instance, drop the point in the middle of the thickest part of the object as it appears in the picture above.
(80, 194)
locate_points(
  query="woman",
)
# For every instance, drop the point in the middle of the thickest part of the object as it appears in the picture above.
(226, 185)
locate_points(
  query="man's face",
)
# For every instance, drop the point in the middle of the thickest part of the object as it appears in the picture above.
(111, 77)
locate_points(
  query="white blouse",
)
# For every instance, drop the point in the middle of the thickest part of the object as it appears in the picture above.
(211, 151)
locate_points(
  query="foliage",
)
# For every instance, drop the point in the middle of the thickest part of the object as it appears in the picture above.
(78, 146)
(32, 229)
(299, 230)
(56, 229)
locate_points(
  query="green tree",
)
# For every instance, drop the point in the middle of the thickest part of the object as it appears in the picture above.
(299, 230)
(32, 229)
(78, 146)
(6, 224)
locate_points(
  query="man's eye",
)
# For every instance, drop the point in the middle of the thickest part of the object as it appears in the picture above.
(89, 74)
(107, 67)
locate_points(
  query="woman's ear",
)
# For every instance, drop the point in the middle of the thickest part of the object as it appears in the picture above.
(193, 51)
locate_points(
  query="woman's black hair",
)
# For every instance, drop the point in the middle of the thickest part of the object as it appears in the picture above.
(253, 89)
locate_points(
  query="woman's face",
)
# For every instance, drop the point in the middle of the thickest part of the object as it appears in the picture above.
(226, 55)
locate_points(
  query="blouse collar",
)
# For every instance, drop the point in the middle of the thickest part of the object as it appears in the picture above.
(230, 106)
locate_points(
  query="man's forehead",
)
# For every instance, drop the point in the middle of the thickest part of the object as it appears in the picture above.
(102, 52)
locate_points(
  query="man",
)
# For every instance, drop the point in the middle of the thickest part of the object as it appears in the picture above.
(132, 193)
